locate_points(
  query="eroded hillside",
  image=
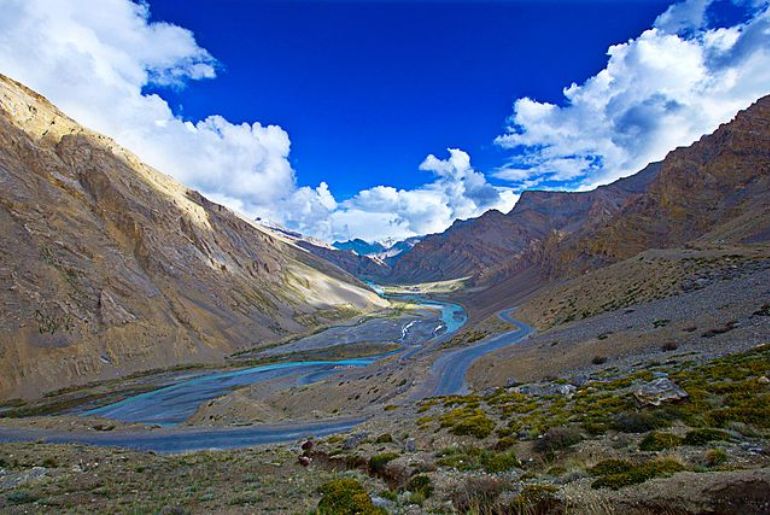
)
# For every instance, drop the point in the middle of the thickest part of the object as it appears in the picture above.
(109, 267)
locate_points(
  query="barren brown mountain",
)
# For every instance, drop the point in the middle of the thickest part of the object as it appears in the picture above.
(108, 267)
(716, 190)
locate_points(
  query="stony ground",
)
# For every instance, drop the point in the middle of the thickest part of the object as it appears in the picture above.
(595, 444)
(659, 404)
(716, 312)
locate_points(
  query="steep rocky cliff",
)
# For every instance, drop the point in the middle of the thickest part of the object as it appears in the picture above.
(109, 267)
(484, 247)
(716, 190)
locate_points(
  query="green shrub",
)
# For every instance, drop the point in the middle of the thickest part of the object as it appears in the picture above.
(494, 462)
(378, 462)
(20, 497)
(704, 436)
(715, 457)
(754, 414)
(384, 438)
(346, 496)
(638, 422)
(504, 443)
(558, 438)
(636, 474)
(473, 458)
(389, 495)
(468, 421)
(420, 484)
(656, 441)
(537, 499)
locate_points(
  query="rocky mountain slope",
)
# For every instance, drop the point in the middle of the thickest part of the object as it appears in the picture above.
(715, 190)
(480, 246)
(108, 267)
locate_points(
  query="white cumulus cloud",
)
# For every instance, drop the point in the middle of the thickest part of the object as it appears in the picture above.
(95, 58)
(457, 191)
(666, 88)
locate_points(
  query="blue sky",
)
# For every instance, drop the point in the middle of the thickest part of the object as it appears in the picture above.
(367, 89)
(383, 120)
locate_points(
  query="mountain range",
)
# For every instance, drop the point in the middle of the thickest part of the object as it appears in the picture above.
(715, 190)
(110, 267)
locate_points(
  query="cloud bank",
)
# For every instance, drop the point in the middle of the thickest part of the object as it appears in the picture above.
(675, 82)
(95, 58)
(666, 88)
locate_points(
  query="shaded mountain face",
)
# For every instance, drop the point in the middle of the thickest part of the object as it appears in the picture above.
(363, 267)
(481, 246)
(716, 190)
(109, 267)
(360, 247)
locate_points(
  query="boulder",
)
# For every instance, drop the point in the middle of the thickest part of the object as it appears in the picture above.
(658, 391)
(354, 440)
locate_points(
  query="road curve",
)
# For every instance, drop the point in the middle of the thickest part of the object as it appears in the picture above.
(448, 371)
(178, 440)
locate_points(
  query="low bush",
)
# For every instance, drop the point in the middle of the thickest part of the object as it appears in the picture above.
(21, 497)
(599, 360)
(704, 436)
(657, 441)
(346, 496)
(494, 462)
(715, 457)
(468, 421)
(420, 484)
(638, 422)
(504, 443)
(635, 474)
(557, 439)
(535, 499)
(384, 438)
(478, 495)
(473, 458)
(378, 462)
(669, 346)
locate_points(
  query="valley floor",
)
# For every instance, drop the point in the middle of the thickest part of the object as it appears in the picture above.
(656, 399)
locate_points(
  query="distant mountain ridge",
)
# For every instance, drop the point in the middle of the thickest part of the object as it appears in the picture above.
(359, 246)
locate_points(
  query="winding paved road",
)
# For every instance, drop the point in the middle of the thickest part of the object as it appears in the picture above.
(179, 440)
(447, 377)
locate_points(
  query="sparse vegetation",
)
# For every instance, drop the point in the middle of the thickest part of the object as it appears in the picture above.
(618, 474)
(715, 457)
(468, 421)
(704, 436)
(557, 439)
(656, 441)
(346, 496)
(599, 360)
(378, 462)
(420, 484)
